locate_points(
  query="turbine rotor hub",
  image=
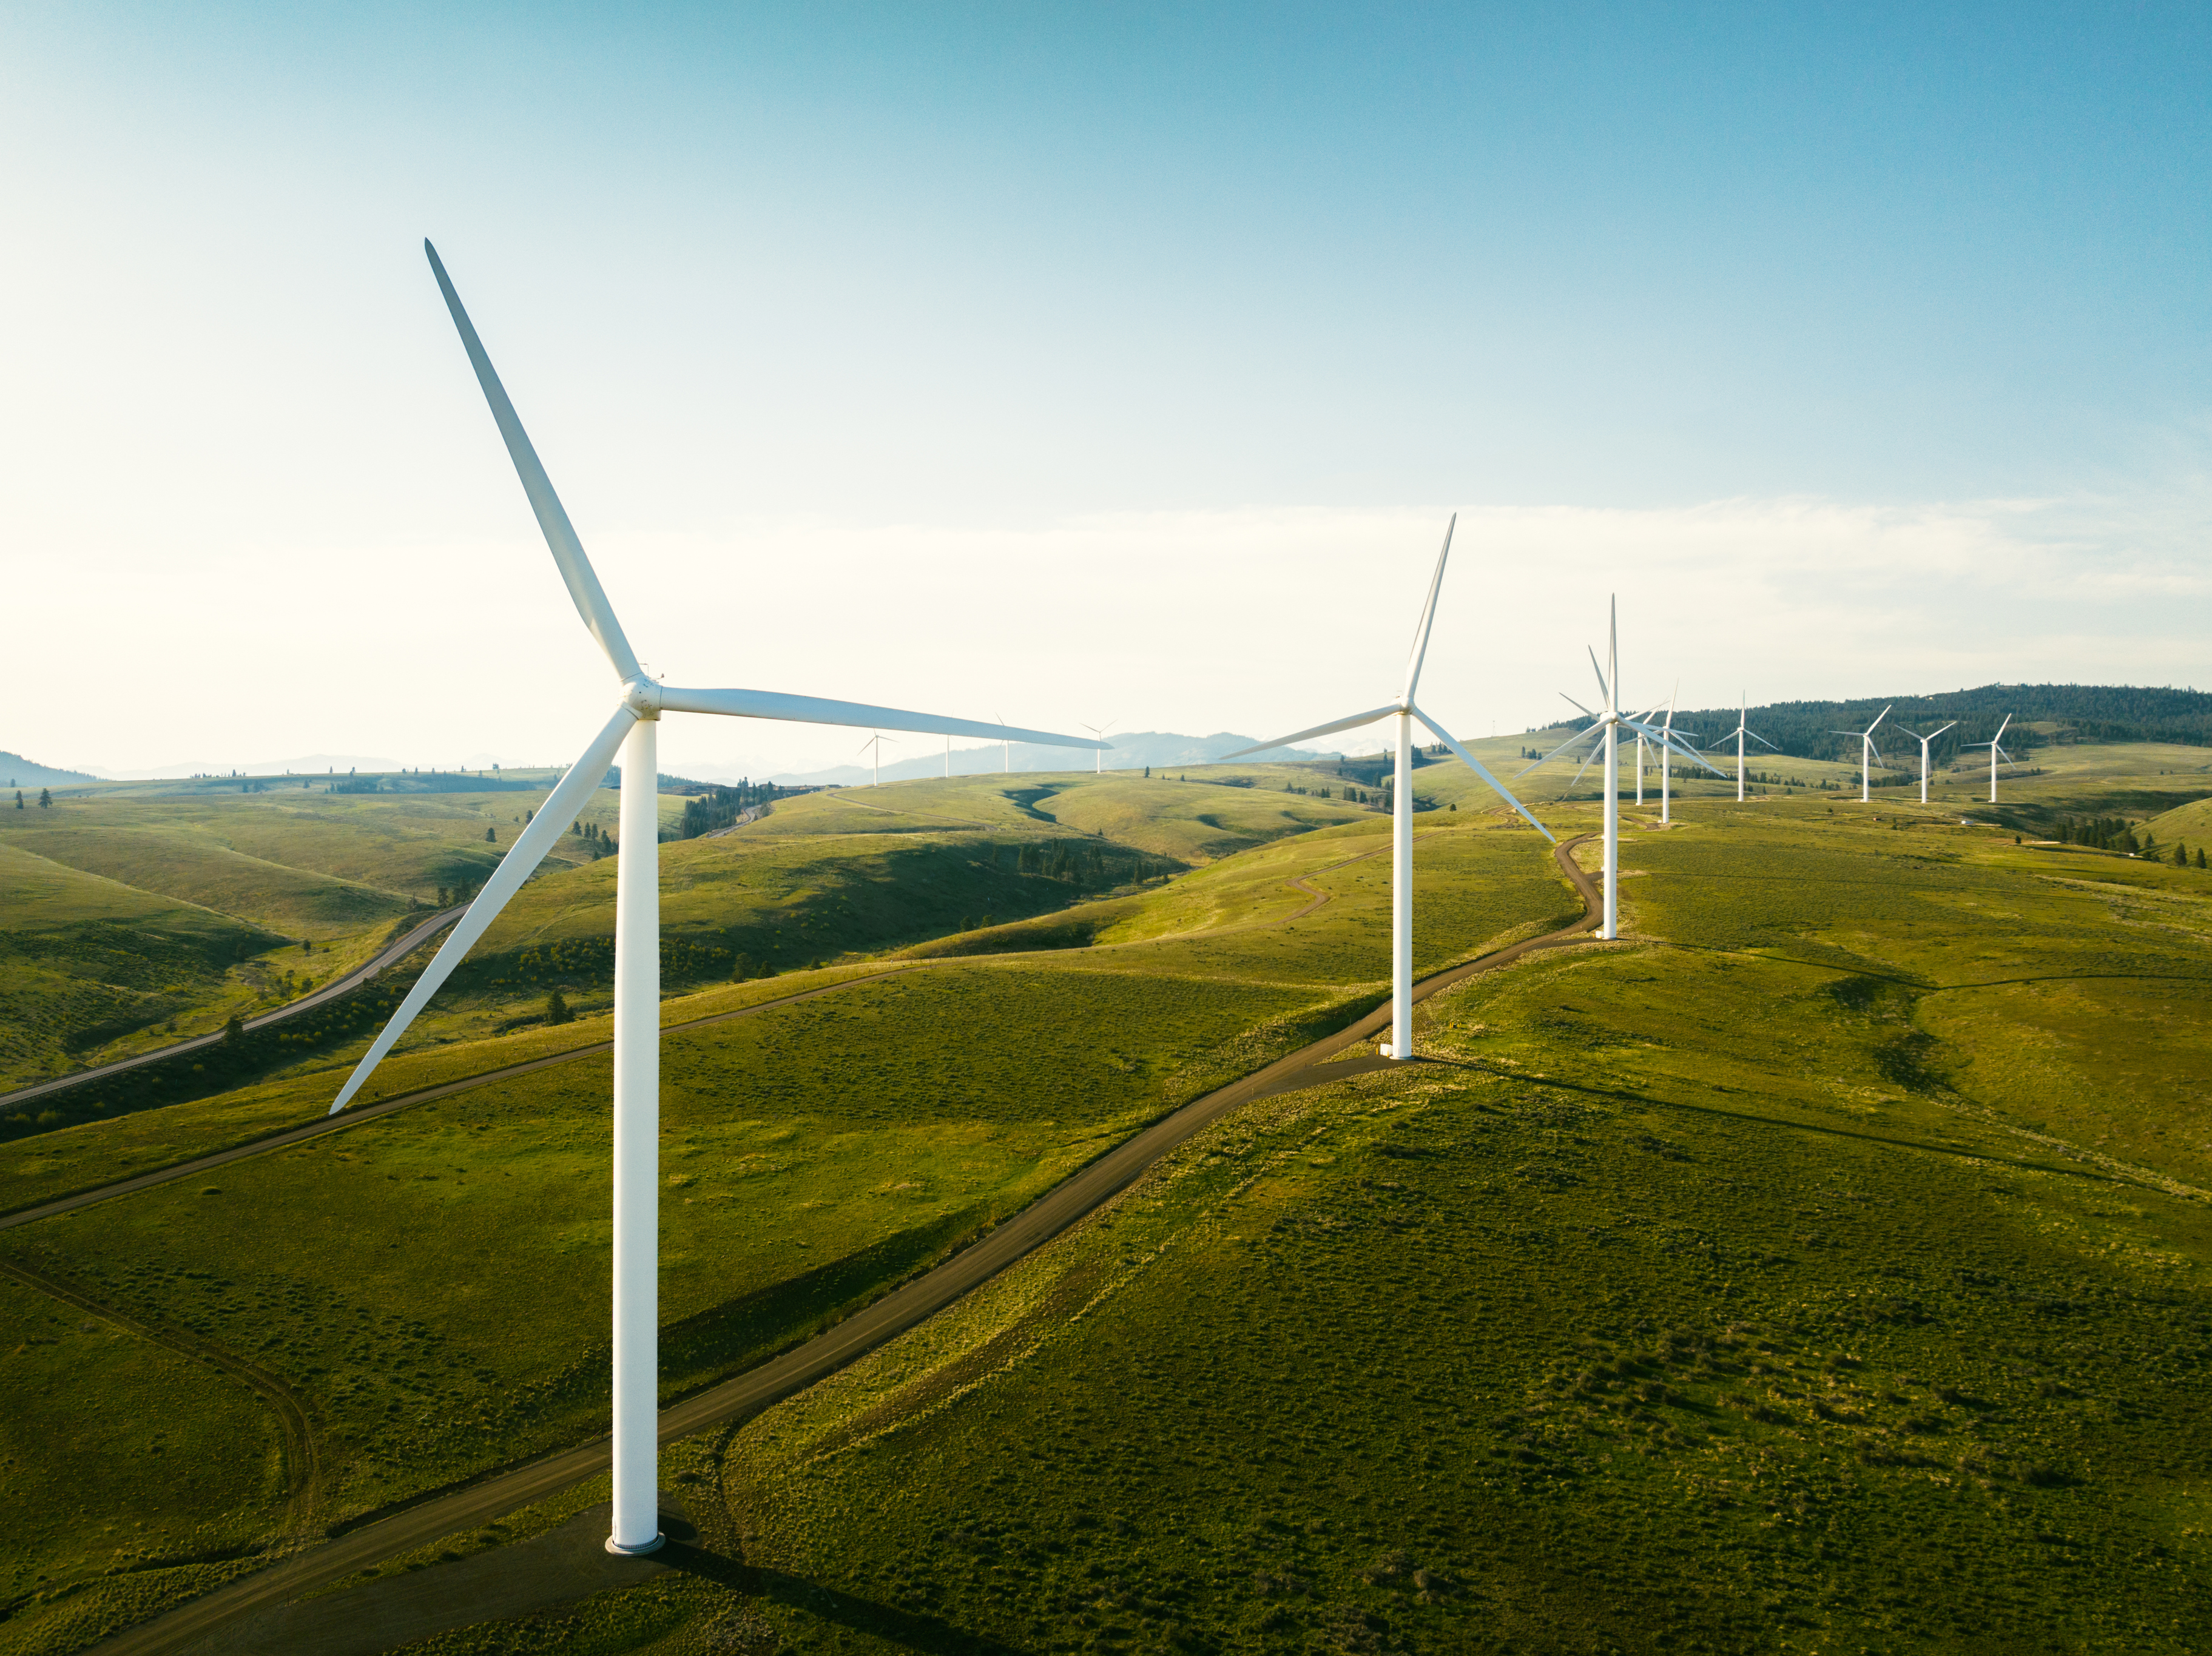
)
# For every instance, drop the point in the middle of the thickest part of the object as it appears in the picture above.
(642, 697)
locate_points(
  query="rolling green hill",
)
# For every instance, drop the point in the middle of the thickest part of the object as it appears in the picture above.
(1817, 1267)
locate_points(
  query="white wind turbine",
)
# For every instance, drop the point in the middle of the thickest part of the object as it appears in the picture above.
(1866, 755)
(1402, 713)
(1742, 729)
(630, 733)
(1603, 733)
(1098, 758)
(1666, 736)
(1923, 740)
(1995, 753)
(873, 747)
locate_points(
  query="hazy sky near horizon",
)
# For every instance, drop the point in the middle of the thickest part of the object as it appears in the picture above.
(1088, 362)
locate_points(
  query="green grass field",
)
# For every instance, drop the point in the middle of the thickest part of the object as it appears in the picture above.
(1819, 1268)
(816, 1154)
(1744, 1289)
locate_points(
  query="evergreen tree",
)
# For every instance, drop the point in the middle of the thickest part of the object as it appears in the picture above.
(492, 836)
(557, 1008)
(2200, 856)
(18, 798)
(234, 1030)
(2180, 855)
(46, 797)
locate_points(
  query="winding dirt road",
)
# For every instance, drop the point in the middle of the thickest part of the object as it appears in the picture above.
(196, 1625)
(398, 950)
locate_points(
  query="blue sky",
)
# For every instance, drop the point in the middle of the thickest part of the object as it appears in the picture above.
(1100, 339)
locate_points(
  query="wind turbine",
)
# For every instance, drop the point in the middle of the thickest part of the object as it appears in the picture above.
(1996, 752)
(873, 747)
(1666, 734)
(1603, 732)
(1098, 758)
(1923, 740)
(1741, 730)
(1866, 754)
(1402, 713)
(632, 733)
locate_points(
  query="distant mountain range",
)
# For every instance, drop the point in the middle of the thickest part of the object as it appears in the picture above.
(20, 772)
(1132, 750)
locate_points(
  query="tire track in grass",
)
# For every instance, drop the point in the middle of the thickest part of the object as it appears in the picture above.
(302, 1461)
(197, 1624)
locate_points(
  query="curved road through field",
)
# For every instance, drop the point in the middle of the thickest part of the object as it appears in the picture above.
(391, 953)
(197, 1624)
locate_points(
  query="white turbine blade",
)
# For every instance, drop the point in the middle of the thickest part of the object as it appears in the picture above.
(1612, 644)
(1351, 723)
(552, 518)
(814, 710)
(1482, 771)
(1428, 614)
(568, 798)
(1578, 737)
(1878, 717)
(1604, 690)
(1579, 769)
(1577, 705)
(1764, 742)
(2002, 729)
(1671, 697)
(1668, 740)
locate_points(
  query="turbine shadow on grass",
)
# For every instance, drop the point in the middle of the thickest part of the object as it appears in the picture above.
(907, 1630)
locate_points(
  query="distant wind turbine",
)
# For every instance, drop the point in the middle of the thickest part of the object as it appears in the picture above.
(1868, 755)
(1603, 732)
(873, 747)
(1402, 713)
(1098, 758)
(1923, 740)
(1666, 734)
(632, 732)
(1743, 729)
(1996, 753)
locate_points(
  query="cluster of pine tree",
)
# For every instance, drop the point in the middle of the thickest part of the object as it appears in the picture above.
(596, 839)
(719, 806)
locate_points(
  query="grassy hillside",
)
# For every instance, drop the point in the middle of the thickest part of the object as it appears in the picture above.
(1768, 1287)
(1819, 1267)
(816, 1152)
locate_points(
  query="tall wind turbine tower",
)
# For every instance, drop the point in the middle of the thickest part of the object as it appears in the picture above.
(1402, 713)
(1866, 755)
(1923, 740)
(1098, 758)
(873, 747)
(1742, 729)
(632, 732)
(1603, 733)
(1995, 753)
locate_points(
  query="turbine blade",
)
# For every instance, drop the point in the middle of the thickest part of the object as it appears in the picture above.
(814, 710)
(1613, 642)
(1579, 769)
(561, 807)
(552, 518)
(1579, 736)
(1351, 723)
(1604, 692)
(1577, 705)
(1763, 741)
(1482, 771)
(1428, 614)
(1670, 740)
(1878, 717)
(2002, 728)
